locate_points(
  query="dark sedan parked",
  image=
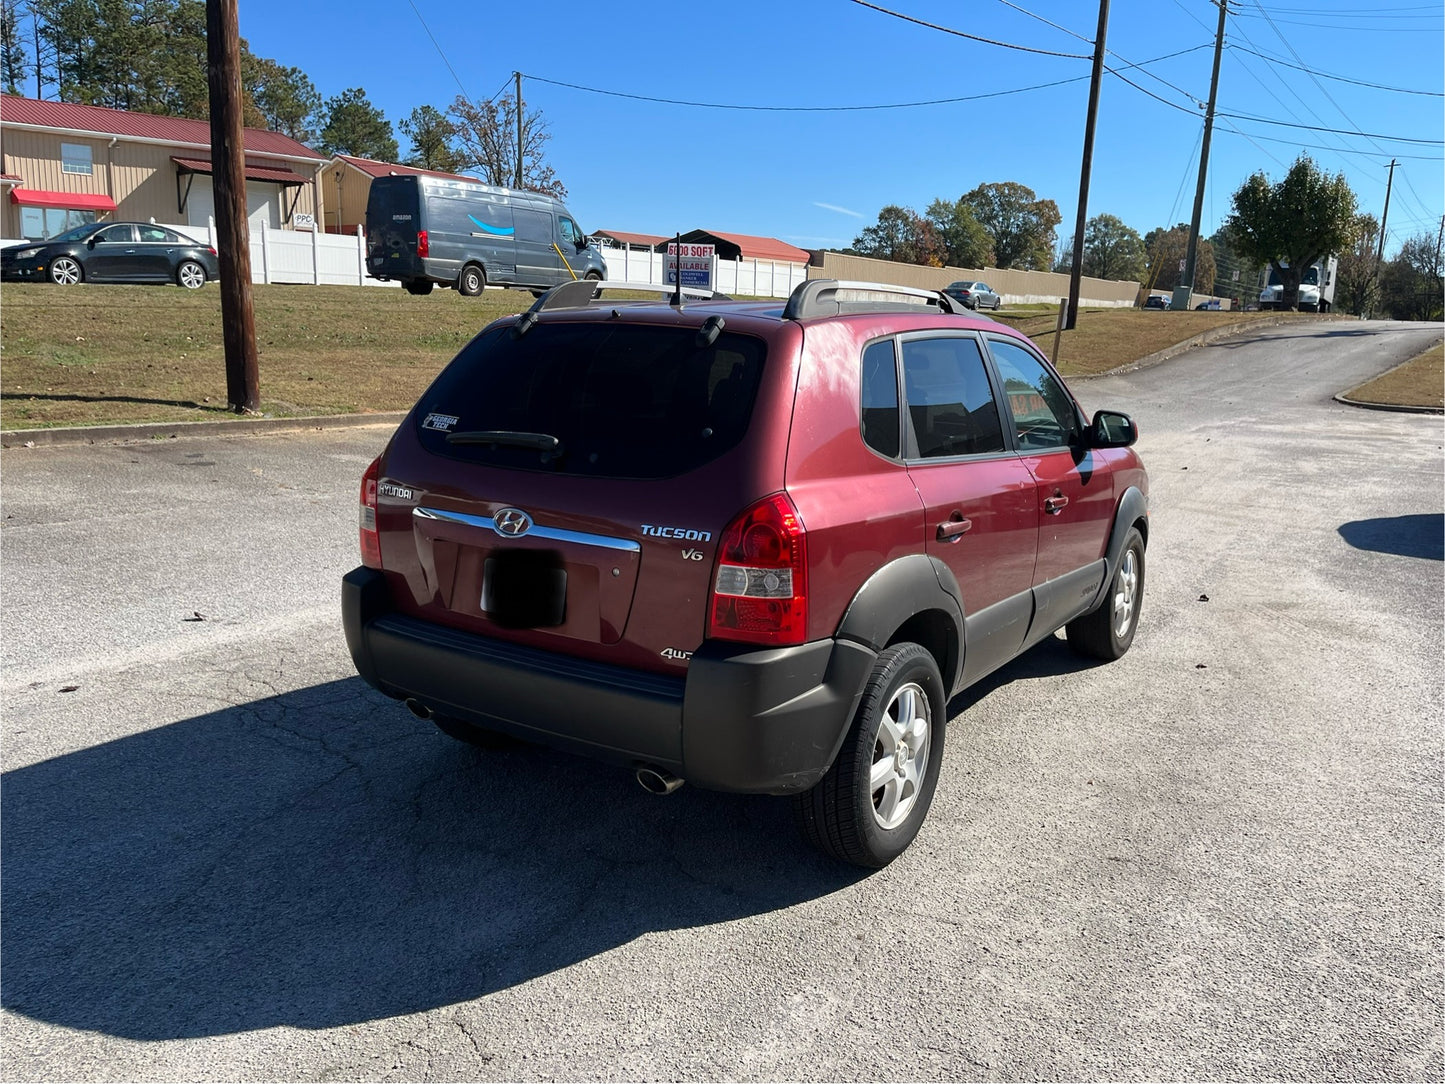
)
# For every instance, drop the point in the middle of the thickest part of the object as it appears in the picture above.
(974, 295)
(112, 252)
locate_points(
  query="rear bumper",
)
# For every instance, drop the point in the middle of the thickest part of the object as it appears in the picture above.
(744, 719)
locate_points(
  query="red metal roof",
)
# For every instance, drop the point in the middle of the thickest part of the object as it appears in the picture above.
(765, 248)
(388, 169)
(647, 240)
(71, 201)
(254, 171)
(102, 121)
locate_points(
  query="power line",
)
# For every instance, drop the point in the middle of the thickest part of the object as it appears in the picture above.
(1338, 78)
(1040, 18)
(804, 108)
(970, 37)
(1350, 28)
(438, 48)
(1339, 108)
(1335, 131)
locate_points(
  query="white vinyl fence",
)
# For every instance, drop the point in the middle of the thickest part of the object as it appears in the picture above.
(331, 259)
(736, 278)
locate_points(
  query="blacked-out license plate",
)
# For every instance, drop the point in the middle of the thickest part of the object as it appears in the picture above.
(525, 589)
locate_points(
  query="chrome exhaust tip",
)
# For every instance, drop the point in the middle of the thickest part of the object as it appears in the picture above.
(417, 708)
(656, 780)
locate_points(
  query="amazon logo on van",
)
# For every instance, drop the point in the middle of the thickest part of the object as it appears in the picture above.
(401, 218)
(496, 231)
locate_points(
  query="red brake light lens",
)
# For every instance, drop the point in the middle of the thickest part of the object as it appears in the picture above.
(370, 539)
(760, 592)
(423, 246)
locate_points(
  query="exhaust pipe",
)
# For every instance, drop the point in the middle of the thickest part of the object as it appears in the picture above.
(417, 708)
(656, 780)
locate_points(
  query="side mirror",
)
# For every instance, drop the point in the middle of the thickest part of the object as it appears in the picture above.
(1111, 429)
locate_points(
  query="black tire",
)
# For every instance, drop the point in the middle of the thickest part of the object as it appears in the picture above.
(472, 281)
(419, 287)
(1107, 631)
(190, 275)
(473, 735)
(593, 276)
(845, 815)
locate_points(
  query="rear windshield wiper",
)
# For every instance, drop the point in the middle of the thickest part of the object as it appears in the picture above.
(507, 438)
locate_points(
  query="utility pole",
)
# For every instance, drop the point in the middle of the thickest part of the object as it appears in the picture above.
(1077, 269)
(1185, 289)
(519, 129)
(228, 174)
(1385, 216)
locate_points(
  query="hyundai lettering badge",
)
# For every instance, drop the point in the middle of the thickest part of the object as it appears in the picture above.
(511, 523)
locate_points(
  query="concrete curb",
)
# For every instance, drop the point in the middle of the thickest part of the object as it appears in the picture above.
(1214, 334)
(1396, 407)
(240, 427)
(1368, 404)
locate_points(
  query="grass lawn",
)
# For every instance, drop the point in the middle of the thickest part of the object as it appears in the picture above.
(1420, 382)
(98, 355)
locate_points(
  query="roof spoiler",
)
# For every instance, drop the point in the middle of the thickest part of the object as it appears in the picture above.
(834, 297)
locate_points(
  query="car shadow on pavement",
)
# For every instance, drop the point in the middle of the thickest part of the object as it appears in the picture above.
(321, 858)
(1421, 535)
(1050, 658)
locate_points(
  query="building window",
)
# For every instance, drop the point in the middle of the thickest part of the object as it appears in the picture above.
(42, 223)
(75, 158)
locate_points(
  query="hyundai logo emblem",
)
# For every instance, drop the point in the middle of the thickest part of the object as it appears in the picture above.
(512, 522)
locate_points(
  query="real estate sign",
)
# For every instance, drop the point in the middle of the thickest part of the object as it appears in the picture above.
(696, 264)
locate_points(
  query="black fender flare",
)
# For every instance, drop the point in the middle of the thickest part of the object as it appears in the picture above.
(898, 593)
(1133, 510)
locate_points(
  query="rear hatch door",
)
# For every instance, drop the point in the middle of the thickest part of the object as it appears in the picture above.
(567, 488)
(393, 216)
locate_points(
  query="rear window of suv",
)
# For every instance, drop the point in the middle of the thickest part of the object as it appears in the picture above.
(621, 401)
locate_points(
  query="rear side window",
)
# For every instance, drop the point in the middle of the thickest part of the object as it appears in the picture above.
(951, 409)
(880, 399)
(622, 401)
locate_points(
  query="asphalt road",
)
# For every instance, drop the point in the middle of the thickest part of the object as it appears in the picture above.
(1221, 857)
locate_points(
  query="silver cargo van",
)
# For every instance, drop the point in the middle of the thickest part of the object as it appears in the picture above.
(425, 231)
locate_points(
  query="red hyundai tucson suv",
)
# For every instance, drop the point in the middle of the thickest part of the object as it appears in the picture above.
(752, 546)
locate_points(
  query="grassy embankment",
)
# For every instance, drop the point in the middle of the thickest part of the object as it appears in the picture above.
(123, 354)
(1420, 382)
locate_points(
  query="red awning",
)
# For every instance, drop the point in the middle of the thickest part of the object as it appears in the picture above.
(254, 171)
(70, 201)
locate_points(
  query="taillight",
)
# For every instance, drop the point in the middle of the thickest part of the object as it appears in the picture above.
(212, 250)
(423, 246)
(760, 593)
(370, 540)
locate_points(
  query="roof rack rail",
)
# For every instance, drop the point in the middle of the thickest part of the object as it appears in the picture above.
(821, 297)
(582, 292)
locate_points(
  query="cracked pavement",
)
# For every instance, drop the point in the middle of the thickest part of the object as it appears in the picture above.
(224, 857)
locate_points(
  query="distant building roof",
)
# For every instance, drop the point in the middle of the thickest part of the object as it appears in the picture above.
(734, 246)
(100, 121)
(646, 240)
(373, 168)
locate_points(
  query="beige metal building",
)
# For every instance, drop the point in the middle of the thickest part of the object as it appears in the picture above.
(347, 183)
(64, 164)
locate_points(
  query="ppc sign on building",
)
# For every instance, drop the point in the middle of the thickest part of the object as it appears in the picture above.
(695, 261)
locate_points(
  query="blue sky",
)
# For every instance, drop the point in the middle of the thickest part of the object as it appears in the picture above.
(816, 177)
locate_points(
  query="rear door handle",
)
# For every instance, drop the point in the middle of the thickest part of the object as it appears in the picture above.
(1054, 505)
(954, 529)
